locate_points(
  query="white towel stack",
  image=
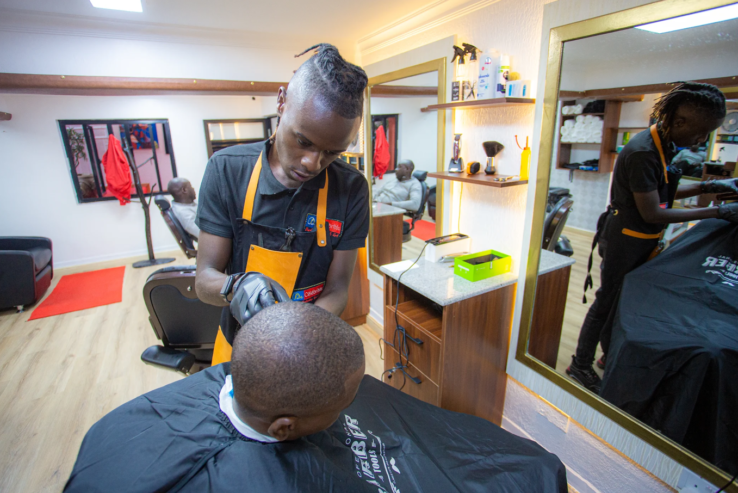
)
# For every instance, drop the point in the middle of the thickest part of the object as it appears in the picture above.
(583, 130)
(572, 110)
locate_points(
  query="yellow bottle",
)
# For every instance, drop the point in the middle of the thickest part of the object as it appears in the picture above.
(524, 159)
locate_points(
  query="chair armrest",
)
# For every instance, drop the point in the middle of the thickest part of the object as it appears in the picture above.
(169, 358)
(24, 242)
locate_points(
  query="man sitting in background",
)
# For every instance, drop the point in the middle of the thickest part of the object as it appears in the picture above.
(184, 205)
(405, 192)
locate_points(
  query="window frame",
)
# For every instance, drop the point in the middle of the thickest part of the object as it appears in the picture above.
(96, 160)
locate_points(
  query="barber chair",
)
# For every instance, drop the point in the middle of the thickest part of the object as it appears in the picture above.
(555, 194)
(554, 224)
(184, 239)
(432, 202)
(185, 325)
(26, 270)
(415, 215)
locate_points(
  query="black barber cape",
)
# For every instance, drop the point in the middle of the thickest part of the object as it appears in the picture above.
(673, 359)
(176, 439)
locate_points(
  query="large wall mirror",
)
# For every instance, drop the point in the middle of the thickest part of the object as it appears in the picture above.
(403, 144)
(670, 375)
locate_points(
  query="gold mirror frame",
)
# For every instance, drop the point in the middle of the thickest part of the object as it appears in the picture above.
(439, 65)
(617, 21)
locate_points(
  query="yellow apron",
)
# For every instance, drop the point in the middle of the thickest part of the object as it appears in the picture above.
(283, 267)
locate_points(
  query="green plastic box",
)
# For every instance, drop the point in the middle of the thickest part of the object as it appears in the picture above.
(475, 267)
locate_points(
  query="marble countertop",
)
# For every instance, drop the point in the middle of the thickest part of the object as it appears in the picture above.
(379, 210)
(438, 282)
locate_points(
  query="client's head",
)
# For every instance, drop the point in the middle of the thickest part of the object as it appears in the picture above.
(295, 367)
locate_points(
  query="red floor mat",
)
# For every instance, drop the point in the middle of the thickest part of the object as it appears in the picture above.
(424, 230)
(81, 291)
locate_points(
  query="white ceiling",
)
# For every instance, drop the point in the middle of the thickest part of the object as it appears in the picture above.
(349, 20)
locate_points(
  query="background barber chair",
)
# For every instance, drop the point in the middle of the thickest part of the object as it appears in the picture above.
(554, 224)
(184, 239)
(555, 194)
(185, 325)
(415, 215)
(26, 270)
(432, 202)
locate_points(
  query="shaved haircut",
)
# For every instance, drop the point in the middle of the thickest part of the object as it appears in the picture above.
(293, 359)
(336, 83)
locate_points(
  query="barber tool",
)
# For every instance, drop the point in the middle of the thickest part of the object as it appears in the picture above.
(473, 167)
(491, 148)
(457, 163)
(469, 85)
(524, 159)
(444, 246)
(503, 179)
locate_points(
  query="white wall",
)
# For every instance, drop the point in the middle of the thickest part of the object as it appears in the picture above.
(38, 196)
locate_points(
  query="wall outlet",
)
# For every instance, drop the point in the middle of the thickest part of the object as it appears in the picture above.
(689, 482)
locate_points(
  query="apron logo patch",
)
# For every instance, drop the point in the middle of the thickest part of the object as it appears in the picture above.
(308, 295)
(335, 227)
(665, 205)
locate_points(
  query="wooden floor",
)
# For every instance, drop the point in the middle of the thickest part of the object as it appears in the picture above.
(59, 375)
(581, 242)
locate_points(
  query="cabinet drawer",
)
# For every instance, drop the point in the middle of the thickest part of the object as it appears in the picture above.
(426, 390)
(425, 356)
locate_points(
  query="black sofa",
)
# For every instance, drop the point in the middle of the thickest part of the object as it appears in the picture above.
(26, 270)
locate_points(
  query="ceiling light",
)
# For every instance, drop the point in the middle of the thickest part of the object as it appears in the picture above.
(693, 20)
(127, 5)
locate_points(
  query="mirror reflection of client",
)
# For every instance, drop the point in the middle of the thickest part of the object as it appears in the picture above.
(405, 192)
(643, 191)
(184, 204)
(276, 419)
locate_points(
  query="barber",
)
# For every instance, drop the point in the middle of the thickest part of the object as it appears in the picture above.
(643, 191)
(284, 219)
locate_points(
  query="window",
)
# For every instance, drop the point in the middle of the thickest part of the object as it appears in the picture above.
(149, 143)
(220, 134)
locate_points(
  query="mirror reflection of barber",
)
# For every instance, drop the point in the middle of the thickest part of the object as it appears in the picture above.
(287, 211)
(643, 191)
(405, 192)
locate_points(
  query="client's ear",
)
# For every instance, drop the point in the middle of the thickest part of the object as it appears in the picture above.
(282, 428)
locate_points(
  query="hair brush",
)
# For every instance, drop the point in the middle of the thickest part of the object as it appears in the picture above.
(491, 148)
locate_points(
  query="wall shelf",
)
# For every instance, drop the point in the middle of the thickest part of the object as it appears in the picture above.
(478, 179)
(480, 103)
(610, 119)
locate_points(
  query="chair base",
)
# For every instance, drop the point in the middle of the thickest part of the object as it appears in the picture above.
(149, 263)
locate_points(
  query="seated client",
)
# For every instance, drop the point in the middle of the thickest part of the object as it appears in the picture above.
(273, 420)
(184, 204)
(406, 192)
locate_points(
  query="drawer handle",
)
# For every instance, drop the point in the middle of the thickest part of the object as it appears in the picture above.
(419, 342)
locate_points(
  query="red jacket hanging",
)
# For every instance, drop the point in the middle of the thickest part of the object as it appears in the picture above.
(381, 153)
(117, 173)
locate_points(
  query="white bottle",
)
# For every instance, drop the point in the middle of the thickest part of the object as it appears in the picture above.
(487, 77)
(503, 71)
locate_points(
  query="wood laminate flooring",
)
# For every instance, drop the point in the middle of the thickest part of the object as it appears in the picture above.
(61, 374)
(581, 242)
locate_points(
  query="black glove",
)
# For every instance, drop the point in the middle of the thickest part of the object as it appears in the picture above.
(720, 186)
(729, 212)
(254, 292)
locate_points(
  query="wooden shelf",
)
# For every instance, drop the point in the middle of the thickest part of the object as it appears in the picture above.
(610, 120)
(564, 117)
(479, 103)
(478, 179)
(631, 129)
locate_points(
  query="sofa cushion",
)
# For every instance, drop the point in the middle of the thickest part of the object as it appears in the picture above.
(41, 258)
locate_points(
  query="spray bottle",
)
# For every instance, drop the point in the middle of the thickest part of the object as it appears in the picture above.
(460, 74)
(469, 84)
(524, 159)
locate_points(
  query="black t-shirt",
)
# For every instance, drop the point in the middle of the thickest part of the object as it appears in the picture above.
(226, 180)
(638, 169)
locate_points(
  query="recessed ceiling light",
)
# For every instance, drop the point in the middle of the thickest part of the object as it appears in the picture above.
(127, 5)
(693, 20)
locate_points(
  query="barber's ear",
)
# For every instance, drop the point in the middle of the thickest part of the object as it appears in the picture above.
(282, 428)
(281, 99)
(678, 122)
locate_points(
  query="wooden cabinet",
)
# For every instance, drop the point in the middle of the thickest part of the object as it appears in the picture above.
(357, 307)
(456, 354)
(387, 239)
(548, 316)
(608, 154)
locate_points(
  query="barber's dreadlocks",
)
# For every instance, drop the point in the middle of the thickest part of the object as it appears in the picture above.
(705, 97)
(339, 83)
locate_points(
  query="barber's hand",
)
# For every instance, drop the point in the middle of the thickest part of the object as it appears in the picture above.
(729, 212)
(254, 292)
(720, 186)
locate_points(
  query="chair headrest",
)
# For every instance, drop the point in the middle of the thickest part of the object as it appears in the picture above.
(162, 202)
(420, 175)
